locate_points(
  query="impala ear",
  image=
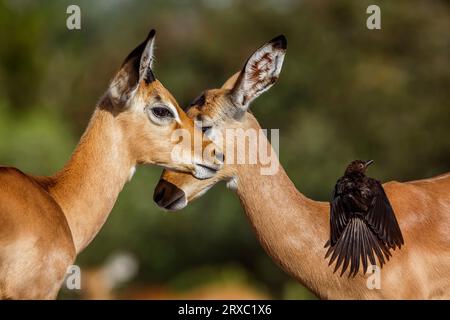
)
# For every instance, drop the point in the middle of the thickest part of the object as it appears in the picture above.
(136, 67)
(145, 67)
(259, 74)
(231, 82)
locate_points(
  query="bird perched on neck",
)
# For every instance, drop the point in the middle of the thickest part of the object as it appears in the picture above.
(362, 221)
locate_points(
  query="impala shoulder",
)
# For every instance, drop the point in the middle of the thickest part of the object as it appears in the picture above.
(392, 183)
(11, 172)
(17, 189)
(13, 177)
(397, 190)
(407, 195)
(401, 187)
(6, 170)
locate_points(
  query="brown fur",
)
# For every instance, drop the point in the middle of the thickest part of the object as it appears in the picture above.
(293, 229)
(46, 221)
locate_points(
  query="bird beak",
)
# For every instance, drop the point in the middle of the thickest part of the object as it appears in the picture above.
(368, 163)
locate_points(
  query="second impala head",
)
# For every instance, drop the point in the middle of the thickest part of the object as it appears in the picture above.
(220, 110)
(151, 119)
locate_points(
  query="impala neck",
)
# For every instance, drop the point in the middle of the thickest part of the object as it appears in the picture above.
(88, 186)
(292, 228)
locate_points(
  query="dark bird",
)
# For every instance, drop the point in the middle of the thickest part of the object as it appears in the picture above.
(362, 221)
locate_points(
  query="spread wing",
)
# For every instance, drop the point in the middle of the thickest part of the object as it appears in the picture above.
(338, 220)
(338, 216)
(357, 244)
(351, 239)
(382, 219)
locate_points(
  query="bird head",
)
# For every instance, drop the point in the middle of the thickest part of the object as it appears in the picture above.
(358, 166)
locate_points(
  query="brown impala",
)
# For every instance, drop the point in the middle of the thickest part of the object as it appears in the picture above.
(292, 228)
(46, 221)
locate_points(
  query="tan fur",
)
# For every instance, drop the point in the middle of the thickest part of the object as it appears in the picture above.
(293, 229)
(46, 221)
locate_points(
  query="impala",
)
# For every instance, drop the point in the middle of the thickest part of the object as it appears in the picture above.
(46, 221)
(292, 228)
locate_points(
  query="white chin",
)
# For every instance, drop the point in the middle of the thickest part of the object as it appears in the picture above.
(202, 172)
(177, 205)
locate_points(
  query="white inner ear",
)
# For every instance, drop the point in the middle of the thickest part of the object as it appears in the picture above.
(146, 58)
(116, 88)
(260, 73)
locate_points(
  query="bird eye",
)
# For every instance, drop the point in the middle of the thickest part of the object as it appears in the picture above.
(162, 112)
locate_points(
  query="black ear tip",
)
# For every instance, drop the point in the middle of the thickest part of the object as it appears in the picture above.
(279, 42)
(151, 34)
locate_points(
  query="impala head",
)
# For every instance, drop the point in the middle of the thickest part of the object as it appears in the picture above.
(156, 129)
(220, 110)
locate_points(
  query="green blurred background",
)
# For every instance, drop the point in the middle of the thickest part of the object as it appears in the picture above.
(345, 92)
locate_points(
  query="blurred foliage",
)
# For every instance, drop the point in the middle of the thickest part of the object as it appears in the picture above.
(345, 92)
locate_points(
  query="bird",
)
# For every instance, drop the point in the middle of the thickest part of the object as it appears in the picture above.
(362, 222)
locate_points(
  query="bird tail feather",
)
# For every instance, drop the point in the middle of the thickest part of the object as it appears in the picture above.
(357, 244)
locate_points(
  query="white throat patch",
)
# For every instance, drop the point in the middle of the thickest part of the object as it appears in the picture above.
(232, 184)
(131, 174)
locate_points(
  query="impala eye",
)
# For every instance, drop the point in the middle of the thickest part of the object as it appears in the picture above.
(204, 129)
(162, 112)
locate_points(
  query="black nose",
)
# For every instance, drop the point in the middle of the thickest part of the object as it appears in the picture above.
(167, 195)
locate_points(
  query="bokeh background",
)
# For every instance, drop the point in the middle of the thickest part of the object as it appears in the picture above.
(345, 92)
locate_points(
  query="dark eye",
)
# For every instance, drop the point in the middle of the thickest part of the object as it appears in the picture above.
(204, 129)
(162, 112)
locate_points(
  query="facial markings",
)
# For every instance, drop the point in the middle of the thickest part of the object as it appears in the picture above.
(174, 112)
(199, 101)
(149, 76)
(159, 95)
(215, 109)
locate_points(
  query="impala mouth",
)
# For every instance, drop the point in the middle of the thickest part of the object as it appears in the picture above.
(169, 197)
(203, 171)
(177, 204)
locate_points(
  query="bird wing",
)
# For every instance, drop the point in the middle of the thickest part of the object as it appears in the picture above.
(382, 219)
(357, 244)
(338, 215)
(338, 219)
